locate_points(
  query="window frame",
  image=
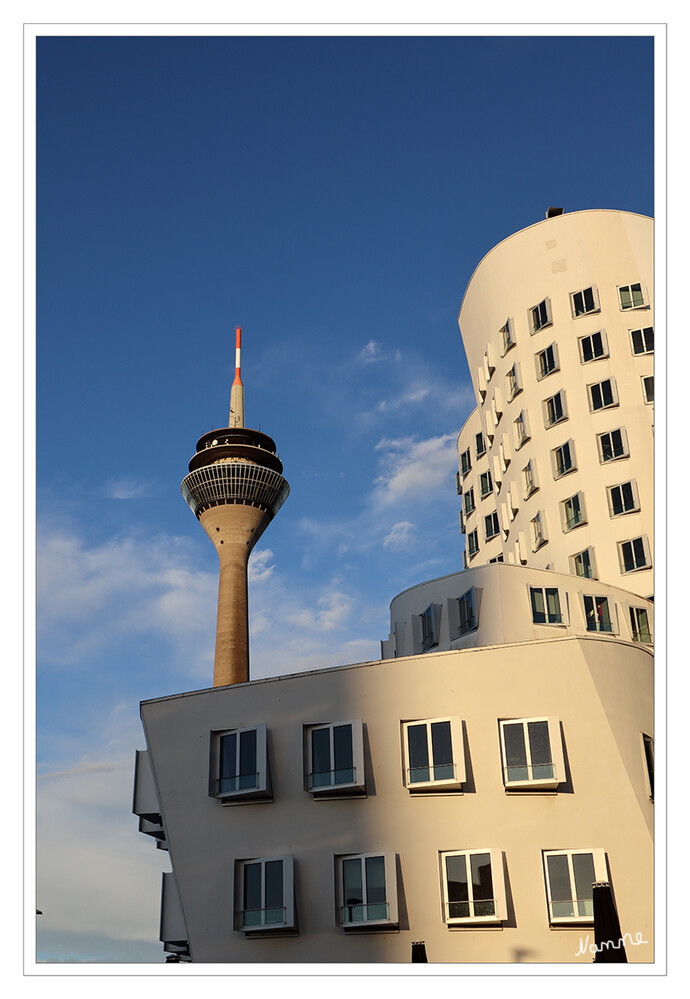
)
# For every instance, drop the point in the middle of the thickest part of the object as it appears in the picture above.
(262, 788)
(465, 468)
(457, 627)
(568, 527)
(562, 617)
(596, 619)
(540, 536)
(635, 628)
(625, 511)
(589, 551)
(596, 306)
(468, 503)
(557, 761)
(540, 368)
(529, 479)
(429, 636)
(643, 331)
(560, 395)
(506, 333)
(345, 788)
(646, 551)
(457, 747)
(493, 517)
(514, 382)
(648, 741)
(521, 422)
(595, 357)
(561, 450)
(600, 874)
(644, 304)
(482, 492)
(478, 453)
(604, 405)
(288, 895)
(390, 885)
(497, 886)
(548, 321)
(624, 444)
(472, 547)
(645, 390)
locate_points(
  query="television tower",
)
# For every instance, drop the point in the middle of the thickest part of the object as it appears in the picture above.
(235, 488)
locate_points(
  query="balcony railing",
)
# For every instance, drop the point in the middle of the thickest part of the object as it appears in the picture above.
(236, 782)
(470, 909)
(430, 773)
(321, 779)
(234, 482)
(273, 916)
(529, 772)
(571, 908)
(358, 912)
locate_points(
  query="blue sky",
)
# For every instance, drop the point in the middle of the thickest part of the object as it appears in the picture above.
(332, 196)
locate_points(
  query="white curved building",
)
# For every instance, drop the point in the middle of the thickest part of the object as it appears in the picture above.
(556, 462)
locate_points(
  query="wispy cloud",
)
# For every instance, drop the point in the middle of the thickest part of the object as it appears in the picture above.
(414, 467)
(400, 535)
(126, 489)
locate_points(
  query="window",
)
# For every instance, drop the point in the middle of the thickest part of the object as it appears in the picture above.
(481, 446)
(473, 887)
(563, 459)
(239, 767)
(507, 337)
(639, 625)
(570, 875)
(546, 605)
(513, 382)
(584, 302)
(593, 347)
(648, 749)
(532, 752)
(433, 754)
(631, 296)
(623, 499)
(521, 431)
(597, 616)
(473, 543)
(458, 484)
(491, 526)
(498, 558)
(485, 484)
(468, 501)
(465, 462)
(539, 537)
(642, 341)
(335, 758)
(573, 512)
(582, 564)
(547, 361)
(554, 409)
(540, 316)
(613, 445)
(467, 621)
(529, 477)
(367, 890)
(648, 388)
(267, 894)
(634, 554)
(602, 395)
(429, 628)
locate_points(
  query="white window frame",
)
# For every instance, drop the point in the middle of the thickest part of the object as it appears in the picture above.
(644, 304)
(562, 607)
(497, 885)
(472, 548)
(458, 763)
(506, 333)
(529, 478)
(555, 744)
(643, 331)
(635, 508)
(533, 328)
(648, 740)
(431, 615)
(538, 529)
(227, 793)
(610, 609)
(587, 312)
(578, 556)
(513, 382)
(624, 444)
(494, 520)
(567, 528)
(541, 375)
(468, 503)
(595, 357)
(288, 922)
(465, 469)
(356, 786)
(545, 409)
(521, 424)
(478, 453)
(645, 551)
(645, 391)
(391, 886)
(598, 385)
(459, 632)
(570, 445)
(483, 493)
(635, 629)
(600, 874)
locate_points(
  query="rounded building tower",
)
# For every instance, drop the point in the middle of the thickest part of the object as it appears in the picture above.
(234, 488)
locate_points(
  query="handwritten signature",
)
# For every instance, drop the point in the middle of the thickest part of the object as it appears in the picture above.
(594, 948)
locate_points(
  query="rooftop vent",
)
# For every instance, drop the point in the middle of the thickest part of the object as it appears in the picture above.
(553, 212)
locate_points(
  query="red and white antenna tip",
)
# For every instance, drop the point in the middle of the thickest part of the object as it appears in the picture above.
(238, 340)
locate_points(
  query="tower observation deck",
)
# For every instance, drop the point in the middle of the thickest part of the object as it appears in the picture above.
(234, 487)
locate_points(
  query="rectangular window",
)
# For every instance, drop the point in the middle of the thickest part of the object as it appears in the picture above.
(513, 382)
(491, 526)
(335, 758)
(540, 316)
(473, 543)
(473, 887)
(532, 752)
(593, 347)
(529, 476)
(602, 395)
(573, 510)
(584, 302)
(554, 409)
(458, 484)
(433, 753)
(631, 296)
(648, 748)
(623, 499)
(582, 564)
(634, 554)
(429, 636)
(466, 613)
(648, 388)
(639, 625)
(521, 431)
(480, 445)
(485, 484)
(563, 459)
(239, 768)
(507, 337)
(468, 501)
(465, 462)
(597, 615)
(546, 361)
(613, 445)
(570, 875)
(539, 537)
(267, 894)
(642, 341)
(367, 890)
(499, 558)
(546, 605)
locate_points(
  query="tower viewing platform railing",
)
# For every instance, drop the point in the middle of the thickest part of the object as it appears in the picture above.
(234, 482)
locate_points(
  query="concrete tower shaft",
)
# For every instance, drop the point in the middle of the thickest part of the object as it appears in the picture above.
(234, 488)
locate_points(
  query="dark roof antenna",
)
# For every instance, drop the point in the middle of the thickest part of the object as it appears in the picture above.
(552, 212)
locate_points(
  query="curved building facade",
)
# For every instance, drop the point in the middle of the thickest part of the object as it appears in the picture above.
(556, 462)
